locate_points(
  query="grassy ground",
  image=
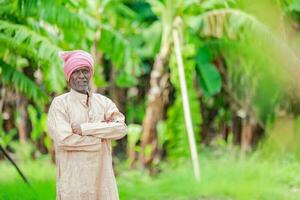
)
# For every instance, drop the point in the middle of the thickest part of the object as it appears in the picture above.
(223, 178)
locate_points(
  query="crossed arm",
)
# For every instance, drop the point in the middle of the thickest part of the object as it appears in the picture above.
(112, 127)
(86, 136)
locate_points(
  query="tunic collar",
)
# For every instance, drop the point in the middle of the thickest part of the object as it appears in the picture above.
(81, 97)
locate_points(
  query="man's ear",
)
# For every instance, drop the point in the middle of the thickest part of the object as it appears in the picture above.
(69, 85)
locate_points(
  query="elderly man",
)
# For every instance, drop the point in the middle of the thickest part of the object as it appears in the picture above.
(82, 125)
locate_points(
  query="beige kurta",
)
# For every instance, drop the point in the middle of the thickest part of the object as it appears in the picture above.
(84, 163)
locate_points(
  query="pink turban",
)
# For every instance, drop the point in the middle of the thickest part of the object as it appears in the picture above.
(76, 59)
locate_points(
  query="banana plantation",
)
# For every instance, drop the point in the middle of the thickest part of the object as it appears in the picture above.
(210, 91)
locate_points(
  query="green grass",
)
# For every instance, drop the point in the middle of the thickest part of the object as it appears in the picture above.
(41, 175)
(223, 177)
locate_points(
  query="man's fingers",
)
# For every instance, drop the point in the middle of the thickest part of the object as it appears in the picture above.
(76, 131)
(107, 119)
(76, 128)
(110, 117)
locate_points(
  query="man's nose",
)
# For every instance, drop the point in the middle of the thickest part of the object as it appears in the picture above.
(81, 75)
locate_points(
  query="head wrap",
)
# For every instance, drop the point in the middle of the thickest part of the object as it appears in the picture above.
(76, 59)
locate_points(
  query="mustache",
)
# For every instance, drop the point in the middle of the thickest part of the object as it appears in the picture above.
(82, 81)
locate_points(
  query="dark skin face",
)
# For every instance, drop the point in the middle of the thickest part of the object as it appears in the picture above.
(80, 80)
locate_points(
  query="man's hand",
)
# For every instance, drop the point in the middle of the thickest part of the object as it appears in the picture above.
(76, 128)
(110, 118)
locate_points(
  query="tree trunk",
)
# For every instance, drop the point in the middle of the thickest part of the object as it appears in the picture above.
(157, 97)
(247, 134)
(236, 129)
(23, 118)
(186, 105)
(21, 105)
(2, 93)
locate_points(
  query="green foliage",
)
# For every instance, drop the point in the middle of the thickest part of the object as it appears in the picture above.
(236, 24)
(134, 133)
(209, 76)
(217, 4)
(38, 122)
(21, 83)
(176, 135)
(34, 32)
(114, 45)
(135, 111)
(293, 5)
(25, 42)
(23, 151)
(282, 139)
(6, 137)
(263, 77)
(161, 134)
(53, 12)
(120, 52)
(126, 80)
(177, 145)
(133, 136)
(98, 78)
(151, 38)
(45, 17)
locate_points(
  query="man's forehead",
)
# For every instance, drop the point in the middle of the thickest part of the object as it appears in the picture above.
(82, 68)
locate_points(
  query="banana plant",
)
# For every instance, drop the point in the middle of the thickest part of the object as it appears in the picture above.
(200, 21)
(264, 76)
(29, 30)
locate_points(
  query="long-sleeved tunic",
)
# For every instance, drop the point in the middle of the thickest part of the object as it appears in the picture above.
(84, 162)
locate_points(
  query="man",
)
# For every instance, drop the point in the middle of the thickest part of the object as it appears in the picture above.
(82, 124)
